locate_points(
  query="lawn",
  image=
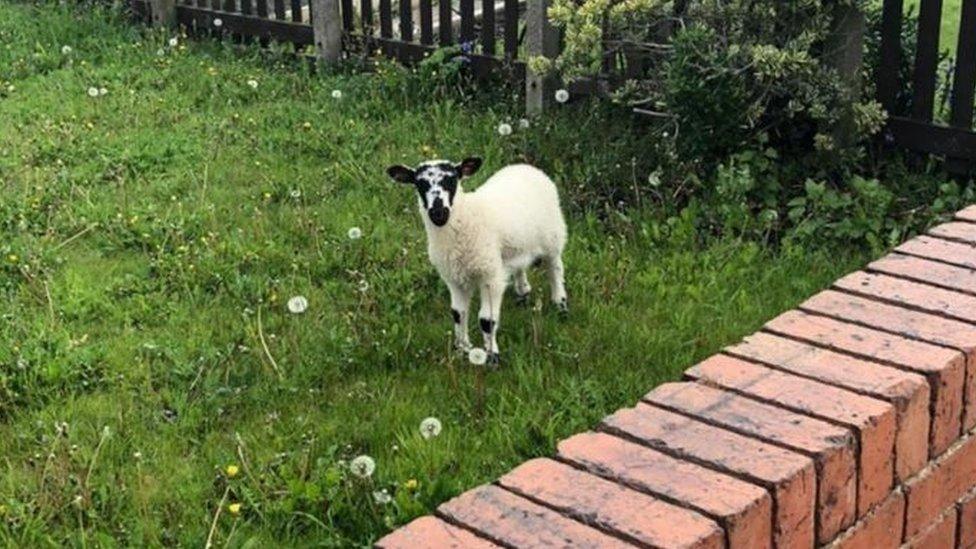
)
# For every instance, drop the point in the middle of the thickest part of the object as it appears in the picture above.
(154, 387)
(951, 13)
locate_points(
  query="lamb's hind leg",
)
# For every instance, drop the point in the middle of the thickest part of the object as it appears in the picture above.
(557, 282)
(489, 316)
(460, 301)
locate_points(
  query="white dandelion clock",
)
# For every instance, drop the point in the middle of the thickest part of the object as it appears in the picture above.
(363, 286)
(253, 84)
(524, 123)
(430, 428)
(66, 50)
(362, 466)
(173, 42)
(92, 92)
(218, 22)
(477, 356)
(297, 305)
(504, 129)
(102, 91)
(160, 52)
(336, 94)
(355, 233)
(562, 95)
(382, 497)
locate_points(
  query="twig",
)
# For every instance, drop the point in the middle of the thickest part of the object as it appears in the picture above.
(213, 525)
(264, 345)
(75, 236)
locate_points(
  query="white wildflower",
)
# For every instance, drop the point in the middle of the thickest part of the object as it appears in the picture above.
(362, 466)
(430, 428)
(298, 304)
(504, 129)
(253, 84)
(477, 356)
(382, 497)
(336, 94)
(66, 50)
(524, 123)
(355, 233)
(562, 95)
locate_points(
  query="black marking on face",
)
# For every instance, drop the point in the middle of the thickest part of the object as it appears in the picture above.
(487, 325)
(456, 315)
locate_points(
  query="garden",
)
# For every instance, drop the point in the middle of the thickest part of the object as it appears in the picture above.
(219, 324)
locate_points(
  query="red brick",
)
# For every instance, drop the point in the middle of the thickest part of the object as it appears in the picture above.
(944, 368)
(612, 507)
(947, 480)
(956, 230)
(789, 476)
(880, 529)
(967, 521)
(916, 295)
(941, 535)
(743, 509)
(512, 520)
(832, 447)
(950, 277)
(874, 420)
(430, 532)
(908, 392)
(946, 251)
(967, 214)
(914, 324)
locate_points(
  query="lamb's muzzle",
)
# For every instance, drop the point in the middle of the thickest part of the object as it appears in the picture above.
(477, 240)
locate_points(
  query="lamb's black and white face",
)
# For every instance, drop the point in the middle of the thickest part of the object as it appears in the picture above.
(437, 183)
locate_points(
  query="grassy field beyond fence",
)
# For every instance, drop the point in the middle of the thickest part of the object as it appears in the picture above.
(163, 199)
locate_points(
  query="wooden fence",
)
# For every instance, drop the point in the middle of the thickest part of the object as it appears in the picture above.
(916, 128)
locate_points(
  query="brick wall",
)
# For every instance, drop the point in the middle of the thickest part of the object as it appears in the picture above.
(848, 422)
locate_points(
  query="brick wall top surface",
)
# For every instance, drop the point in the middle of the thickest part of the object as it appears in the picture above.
(848, 422)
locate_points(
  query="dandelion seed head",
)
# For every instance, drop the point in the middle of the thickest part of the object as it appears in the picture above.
(355, 233)
(382, 497)
(102, 91)
(362, 466)
(66, 50)
(297, 305)
(218, 22)
(562, 95)
(173, 42)
(253, 84)
(430, 427)
(477, 356)
(504, 129)
(93, 92)
(524, 123)
(336, 94)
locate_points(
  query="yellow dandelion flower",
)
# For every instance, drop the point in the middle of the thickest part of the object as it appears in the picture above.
(234, 509)
(13, 258)
(411, 484)
(232, 471)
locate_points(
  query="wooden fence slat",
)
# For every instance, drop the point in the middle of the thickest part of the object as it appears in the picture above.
(933, 139)
(964, 80)
(366, 14)
(386, 19)
(467, 21)
(279, 8)
(230, 6)
(246, 7)
(262, 7)
(406, 20)
(426, 22)
(284, 31)
(488, 27)
(347, 20)
(887, 76)
(296, 11)
(445, 17)
(511, 28)
(926, 59)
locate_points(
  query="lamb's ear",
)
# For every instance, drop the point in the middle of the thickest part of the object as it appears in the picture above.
(401, 174)
(469, 166)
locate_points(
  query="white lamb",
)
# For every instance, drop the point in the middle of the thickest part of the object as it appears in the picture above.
(477, 240)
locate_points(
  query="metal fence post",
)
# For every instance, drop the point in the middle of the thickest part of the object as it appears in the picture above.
(327, 28)
(541, 38)
(163, 13)
(844, 48)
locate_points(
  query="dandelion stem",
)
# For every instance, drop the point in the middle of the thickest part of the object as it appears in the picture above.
(264, 345)
(213, 525)
(94, 459)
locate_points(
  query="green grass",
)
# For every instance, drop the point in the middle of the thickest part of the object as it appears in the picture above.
(951, 13)
(151, 236)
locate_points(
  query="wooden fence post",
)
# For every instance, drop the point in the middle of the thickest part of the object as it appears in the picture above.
(327, 28)
(541, 38)
(844, 48)
(163, 13)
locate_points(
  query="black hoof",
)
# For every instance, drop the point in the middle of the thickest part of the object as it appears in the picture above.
(563, 307)
(494, 360)
(523, 299)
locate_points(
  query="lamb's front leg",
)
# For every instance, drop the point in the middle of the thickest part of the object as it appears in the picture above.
(460, 301)
(490, 314)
